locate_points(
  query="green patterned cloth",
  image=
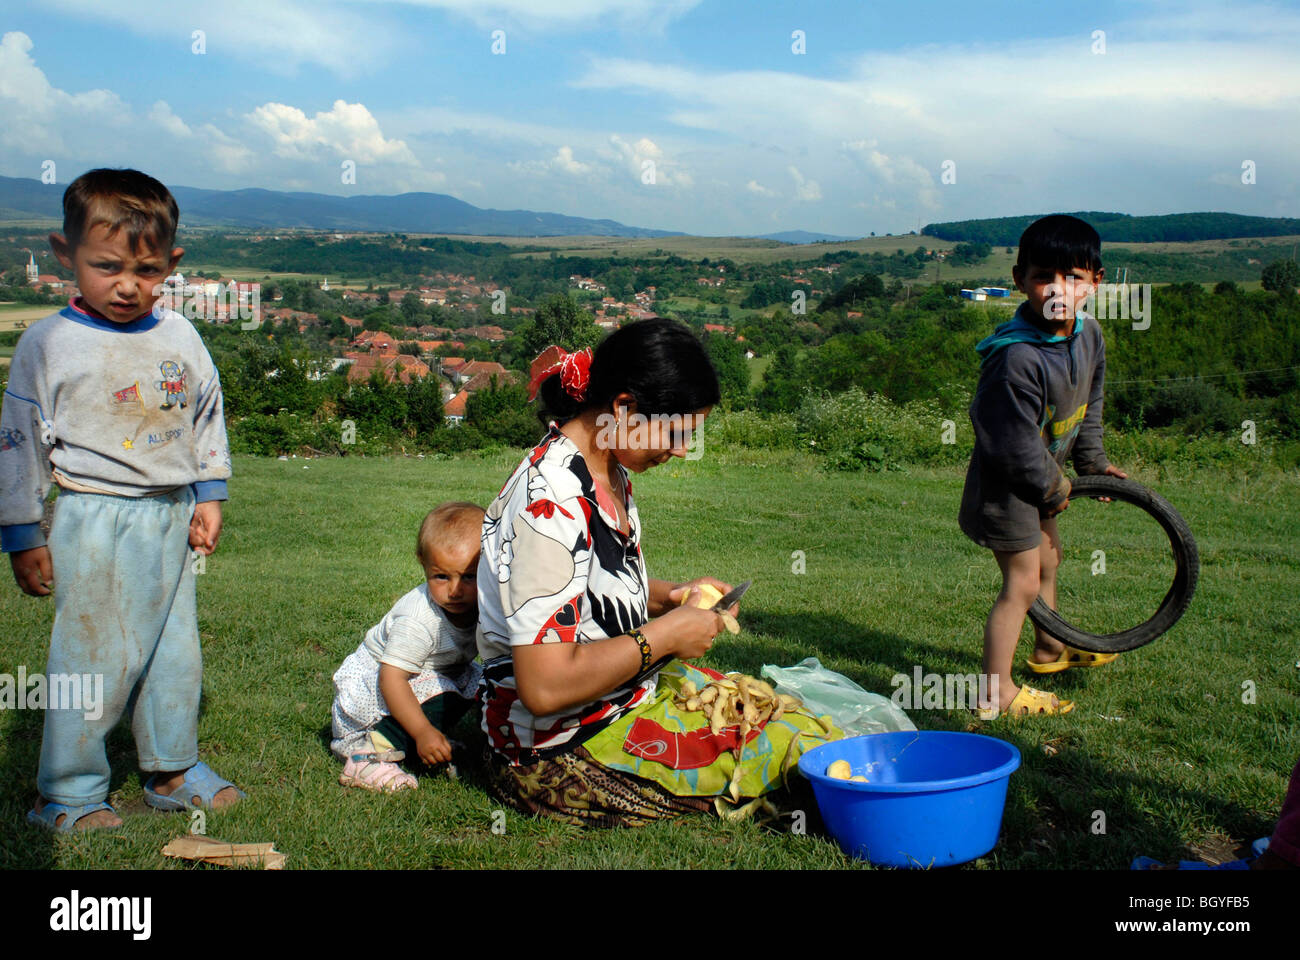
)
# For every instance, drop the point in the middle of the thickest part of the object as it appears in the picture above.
(767, 761)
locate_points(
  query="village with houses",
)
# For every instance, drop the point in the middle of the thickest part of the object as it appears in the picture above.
(400, 353)
(380, 325)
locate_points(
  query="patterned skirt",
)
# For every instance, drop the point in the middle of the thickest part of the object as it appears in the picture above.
(658, 762)
(574, 788)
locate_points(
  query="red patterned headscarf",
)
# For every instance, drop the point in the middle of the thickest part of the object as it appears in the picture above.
(574, 370)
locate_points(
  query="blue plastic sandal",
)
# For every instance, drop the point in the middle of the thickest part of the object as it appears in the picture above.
(199, 782)
(48, 816)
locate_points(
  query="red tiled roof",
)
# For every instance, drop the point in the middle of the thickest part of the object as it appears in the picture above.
(392, 368)
(482, 381)
(455, 407)
(475, 367)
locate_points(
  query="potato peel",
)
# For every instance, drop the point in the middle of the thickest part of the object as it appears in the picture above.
(737, 700)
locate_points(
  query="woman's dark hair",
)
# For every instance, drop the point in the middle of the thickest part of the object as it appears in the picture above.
(660, 362)
(1060, 241)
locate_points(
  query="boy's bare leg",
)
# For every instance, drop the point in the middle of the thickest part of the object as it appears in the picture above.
(1021, 572)
(1047, 648)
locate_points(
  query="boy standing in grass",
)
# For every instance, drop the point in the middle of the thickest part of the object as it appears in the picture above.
(121, 406)
(414, 675)
(1038, 403)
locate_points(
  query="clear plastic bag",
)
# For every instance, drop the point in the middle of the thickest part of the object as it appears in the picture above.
(854, 710)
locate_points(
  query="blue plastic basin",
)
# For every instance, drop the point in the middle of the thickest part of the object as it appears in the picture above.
(933, 798)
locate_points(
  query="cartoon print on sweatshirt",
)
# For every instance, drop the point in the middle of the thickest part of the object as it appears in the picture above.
(11, 438)
(172, 384)
(127, 401)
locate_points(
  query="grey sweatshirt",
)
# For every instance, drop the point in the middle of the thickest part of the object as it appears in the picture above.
(129, 409)
(1037, 405)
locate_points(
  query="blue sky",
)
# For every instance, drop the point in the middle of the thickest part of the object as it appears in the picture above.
(894, 114)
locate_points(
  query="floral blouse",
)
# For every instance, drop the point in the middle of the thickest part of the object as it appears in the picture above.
(555, 569)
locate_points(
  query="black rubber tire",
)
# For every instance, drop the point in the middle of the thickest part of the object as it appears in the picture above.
(1176, 600)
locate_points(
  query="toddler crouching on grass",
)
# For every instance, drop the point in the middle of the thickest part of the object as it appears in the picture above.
(414, 675)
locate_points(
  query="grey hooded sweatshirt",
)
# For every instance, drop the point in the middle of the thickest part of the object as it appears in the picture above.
(1037, 405)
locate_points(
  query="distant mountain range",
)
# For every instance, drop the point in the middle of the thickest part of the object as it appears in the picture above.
(24, 198)
(803, 236)
(1122, 228)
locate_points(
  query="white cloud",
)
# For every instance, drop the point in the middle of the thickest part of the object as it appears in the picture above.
(1028, 123)
(1158, 123)
(162, 116)
(805, 189)
(34, 114)
(347, 130)
(228, 153)
(638, 158)
(352, 36)
(275, 145)
(900, 172)
(346, 38)
(563, 160)
(652, 15)
(95, 127)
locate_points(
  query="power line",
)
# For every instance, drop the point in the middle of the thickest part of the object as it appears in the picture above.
(1213, 376)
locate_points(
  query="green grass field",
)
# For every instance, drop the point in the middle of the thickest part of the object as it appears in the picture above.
(739, 249)
(314, 552)
(245, 272)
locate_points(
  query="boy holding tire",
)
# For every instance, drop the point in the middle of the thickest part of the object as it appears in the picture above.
(1038, 404)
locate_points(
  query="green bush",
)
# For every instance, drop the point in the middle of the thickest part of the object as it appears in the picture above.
(1197, 406)
(749, 428)
(1172, 450)
(286, 433)
(502, 415)
(855, 429)
(458, 439)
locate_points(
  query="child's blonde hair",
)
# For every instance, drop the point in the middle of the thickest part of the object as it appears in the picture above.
(455, 518)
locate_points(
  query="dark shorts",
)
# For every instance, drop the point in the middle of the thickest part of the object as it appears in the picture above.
(995, 518)
(442, 711)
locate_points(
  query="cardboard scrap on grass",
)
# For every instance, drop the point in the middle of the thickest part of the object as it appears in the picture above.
(211, 850)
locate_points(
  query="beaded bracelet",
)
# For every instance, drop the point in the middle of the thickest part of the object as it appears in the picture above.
(644, 644)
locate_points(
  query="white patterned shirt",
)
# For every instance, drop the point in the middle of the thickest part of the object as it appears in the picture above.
(555, 569)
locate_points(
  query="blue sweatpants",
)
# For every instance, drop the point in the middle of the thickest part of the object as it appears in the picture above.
(123, 609)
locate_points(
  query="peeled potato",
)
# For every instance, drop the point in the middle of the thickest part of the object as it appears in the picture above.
(709, 595)
(859, 778)
(839, 770)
